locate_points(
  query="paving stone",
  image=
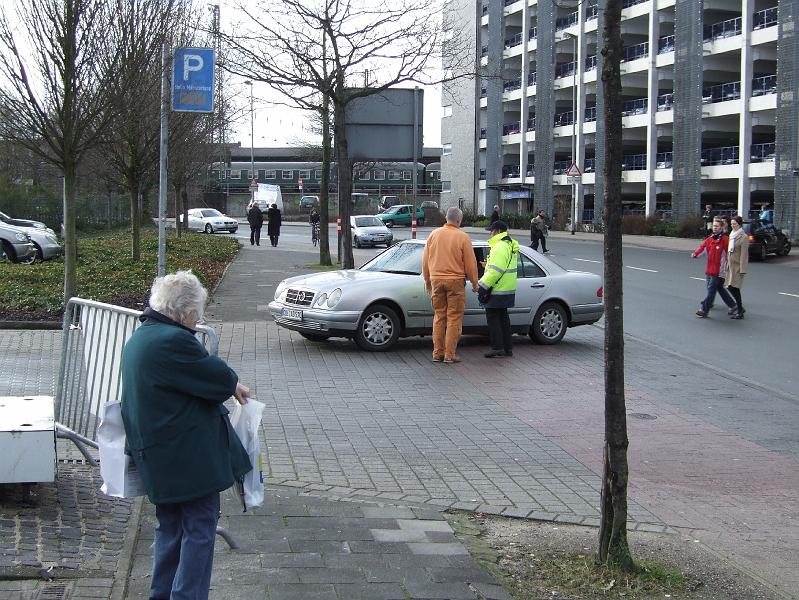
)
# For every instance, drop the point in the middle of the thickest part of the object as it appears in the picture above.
(436, 549)
(424, 590)
(301, 591)
(331, 575)
(371, 591)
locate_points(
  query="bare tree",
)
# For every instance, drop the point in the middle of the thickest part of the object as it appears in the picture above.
(57, 67)
(132, 142)
(314, 50)
(613, 546)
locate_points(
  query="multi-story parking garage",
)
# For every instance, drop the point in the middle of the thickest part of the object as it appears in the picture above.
(710, 93)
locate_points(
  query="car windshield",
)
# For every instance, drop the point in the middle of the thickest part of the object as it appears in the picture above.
(405, 259)
(393, 210)
(4, 216)
(368, 222)
(212, 213)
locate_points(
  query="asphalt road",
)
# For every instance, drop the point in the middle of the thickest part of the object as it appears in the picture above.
(662, 291)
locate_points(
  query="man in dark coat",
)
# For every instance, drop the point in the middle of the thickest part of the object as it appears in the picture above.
(179, 434)
(273, 226)
(256, 220)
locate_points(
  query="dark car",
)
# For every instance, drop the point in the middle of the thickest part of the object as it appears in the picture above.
(765, 239)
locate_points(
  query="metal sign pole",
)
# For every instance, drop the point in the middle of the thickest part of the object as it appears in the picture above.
(415, 155)
(162, 172)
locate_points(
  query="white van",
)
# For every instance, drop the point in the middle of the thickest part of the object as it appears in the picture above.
(267, 195)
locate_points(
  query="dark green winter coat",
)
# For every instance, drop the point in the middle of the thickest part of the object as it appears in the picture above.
(177, 427)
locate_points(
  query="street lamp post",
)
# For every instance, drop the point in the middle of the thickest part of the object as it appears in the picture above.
(574, 126)
(252, 140)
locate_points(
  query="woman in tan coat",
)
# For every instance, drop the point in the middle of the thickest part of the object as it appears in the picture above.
(737, 263)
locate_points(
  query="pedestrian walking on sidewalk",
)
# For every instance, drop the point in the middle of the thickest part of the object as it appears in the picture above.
(737, 264)
(539, 231)
(275, 220)
(256, 220)
(715, 246)
(497, 289)
(448, 258)
(178, 433)
(494, 217)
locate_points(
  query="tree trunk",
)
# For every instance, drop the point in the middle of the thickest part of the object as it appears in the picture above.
(70, 234)
(324, 187)
(135, 223)
(613, 547)
(344, 179)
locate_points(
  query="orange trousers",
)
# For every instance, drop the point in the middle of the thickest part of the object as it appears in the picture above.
(449, 302)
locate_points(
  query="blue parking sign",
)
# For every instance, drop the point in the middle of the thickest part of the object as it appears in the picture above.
(193, 79)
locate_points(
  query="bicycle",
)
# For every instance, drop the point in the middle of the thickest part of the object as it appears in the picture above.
(315, 233)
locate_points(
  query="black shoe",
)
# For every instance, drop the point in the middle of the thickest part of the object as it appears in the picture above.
(737, 317)
(494, 354)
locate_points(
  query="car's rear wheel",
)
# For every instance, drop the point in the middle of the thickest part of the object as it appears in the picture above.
(550, 324)
(378, 329)
(420, 222)
(389, 224)
(208, 228)
(314, 337)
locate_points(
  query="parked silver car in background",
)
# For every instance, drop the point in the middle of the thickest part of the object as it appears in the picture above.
(368, 230)
(43, 238)
(16, 245)
(386, 299)
(210, 220)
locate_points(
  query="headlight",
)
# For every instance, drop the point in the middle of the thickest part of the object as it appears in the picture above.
(219, 222)
(21, 237)
(321, 299)
(334, 298)
(281, 287)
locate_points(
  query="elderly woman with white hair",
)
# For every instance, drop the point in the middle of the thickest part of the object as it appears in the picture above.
(179, 434)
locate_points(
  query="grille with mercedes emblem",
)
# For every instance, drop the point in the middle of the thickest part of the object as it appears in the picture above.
(299, 297)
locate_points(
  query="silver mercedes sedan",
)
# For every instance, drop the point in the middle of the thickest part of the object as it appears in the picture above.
(386, 299)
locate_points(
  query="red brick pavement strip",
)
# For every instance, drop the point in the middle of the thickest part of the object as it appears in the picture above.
(733, 495)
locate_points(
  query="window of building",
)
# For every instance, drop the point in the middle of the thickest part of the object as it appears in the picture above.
(380, 175)
(365, 176)
(287, 174)
(446, 186)
(394, 175)
(245, 174)
(235, 174)
(261, 174)
(448, 111)
(270, 174)
(446, 149)
(318, 174)
(305, 173)
(406, 175)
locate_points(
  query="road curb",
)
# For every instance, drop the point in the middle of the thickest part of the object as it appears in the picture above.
(30, 325)
(119, 588)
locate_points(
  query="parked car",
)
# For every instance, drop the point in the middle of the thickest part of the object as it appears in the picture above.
(16, 245)
(21, 222)
(309, 202)
(386, 299)
(368, 230)
(429, 204)
(765, 239)
(210, 220)
(401, 215)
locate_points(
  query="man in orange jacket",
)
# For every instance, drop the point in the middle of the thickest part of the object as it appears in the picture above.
(448, 258)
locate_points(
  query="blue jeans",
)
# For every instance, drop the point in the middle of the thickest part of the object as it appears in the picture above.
(184, 549)
(716, 284)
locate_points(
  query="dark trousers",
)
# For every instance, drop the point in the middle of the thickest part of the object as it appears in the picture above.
(539, 237)
(184, 548)
(736, 295)
(255, 236)
(715, 285)
(273, 239)
(499, 332)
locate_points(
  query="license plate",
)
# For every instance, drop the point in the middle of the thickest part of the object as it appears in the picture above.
(291, 313)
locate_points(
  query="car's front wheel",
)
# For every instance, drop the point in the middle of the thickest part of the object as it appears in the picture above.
(6, 253)
(357, 242)
(378, 329)
(208, 228)
(785, 249)
(550, 324)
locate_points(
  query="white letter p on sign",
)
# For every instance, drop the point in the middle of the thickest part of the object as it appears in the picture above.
(191, 62)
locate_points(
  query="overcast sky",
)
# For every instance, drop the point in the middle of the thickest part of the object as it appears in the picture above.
(278, 125)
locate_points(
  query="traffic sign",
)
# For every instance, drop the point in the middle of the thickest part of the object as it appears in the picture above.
(299, 183)
(193, 79)
(574, 171)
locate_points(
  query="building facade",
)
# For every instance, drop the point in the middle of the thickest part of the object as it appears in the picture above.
(710, 111)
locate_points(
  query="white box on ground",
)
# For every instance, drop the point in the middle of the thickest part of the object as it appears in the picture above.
(27, 439)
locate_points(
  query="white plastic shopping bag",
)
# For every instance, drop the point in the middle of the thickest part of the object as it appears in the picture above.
(121, 479)
(246, 421)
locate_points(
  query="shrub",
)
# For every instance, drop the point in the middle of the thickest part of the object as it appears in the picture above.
(691, 227)
(635, 225)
